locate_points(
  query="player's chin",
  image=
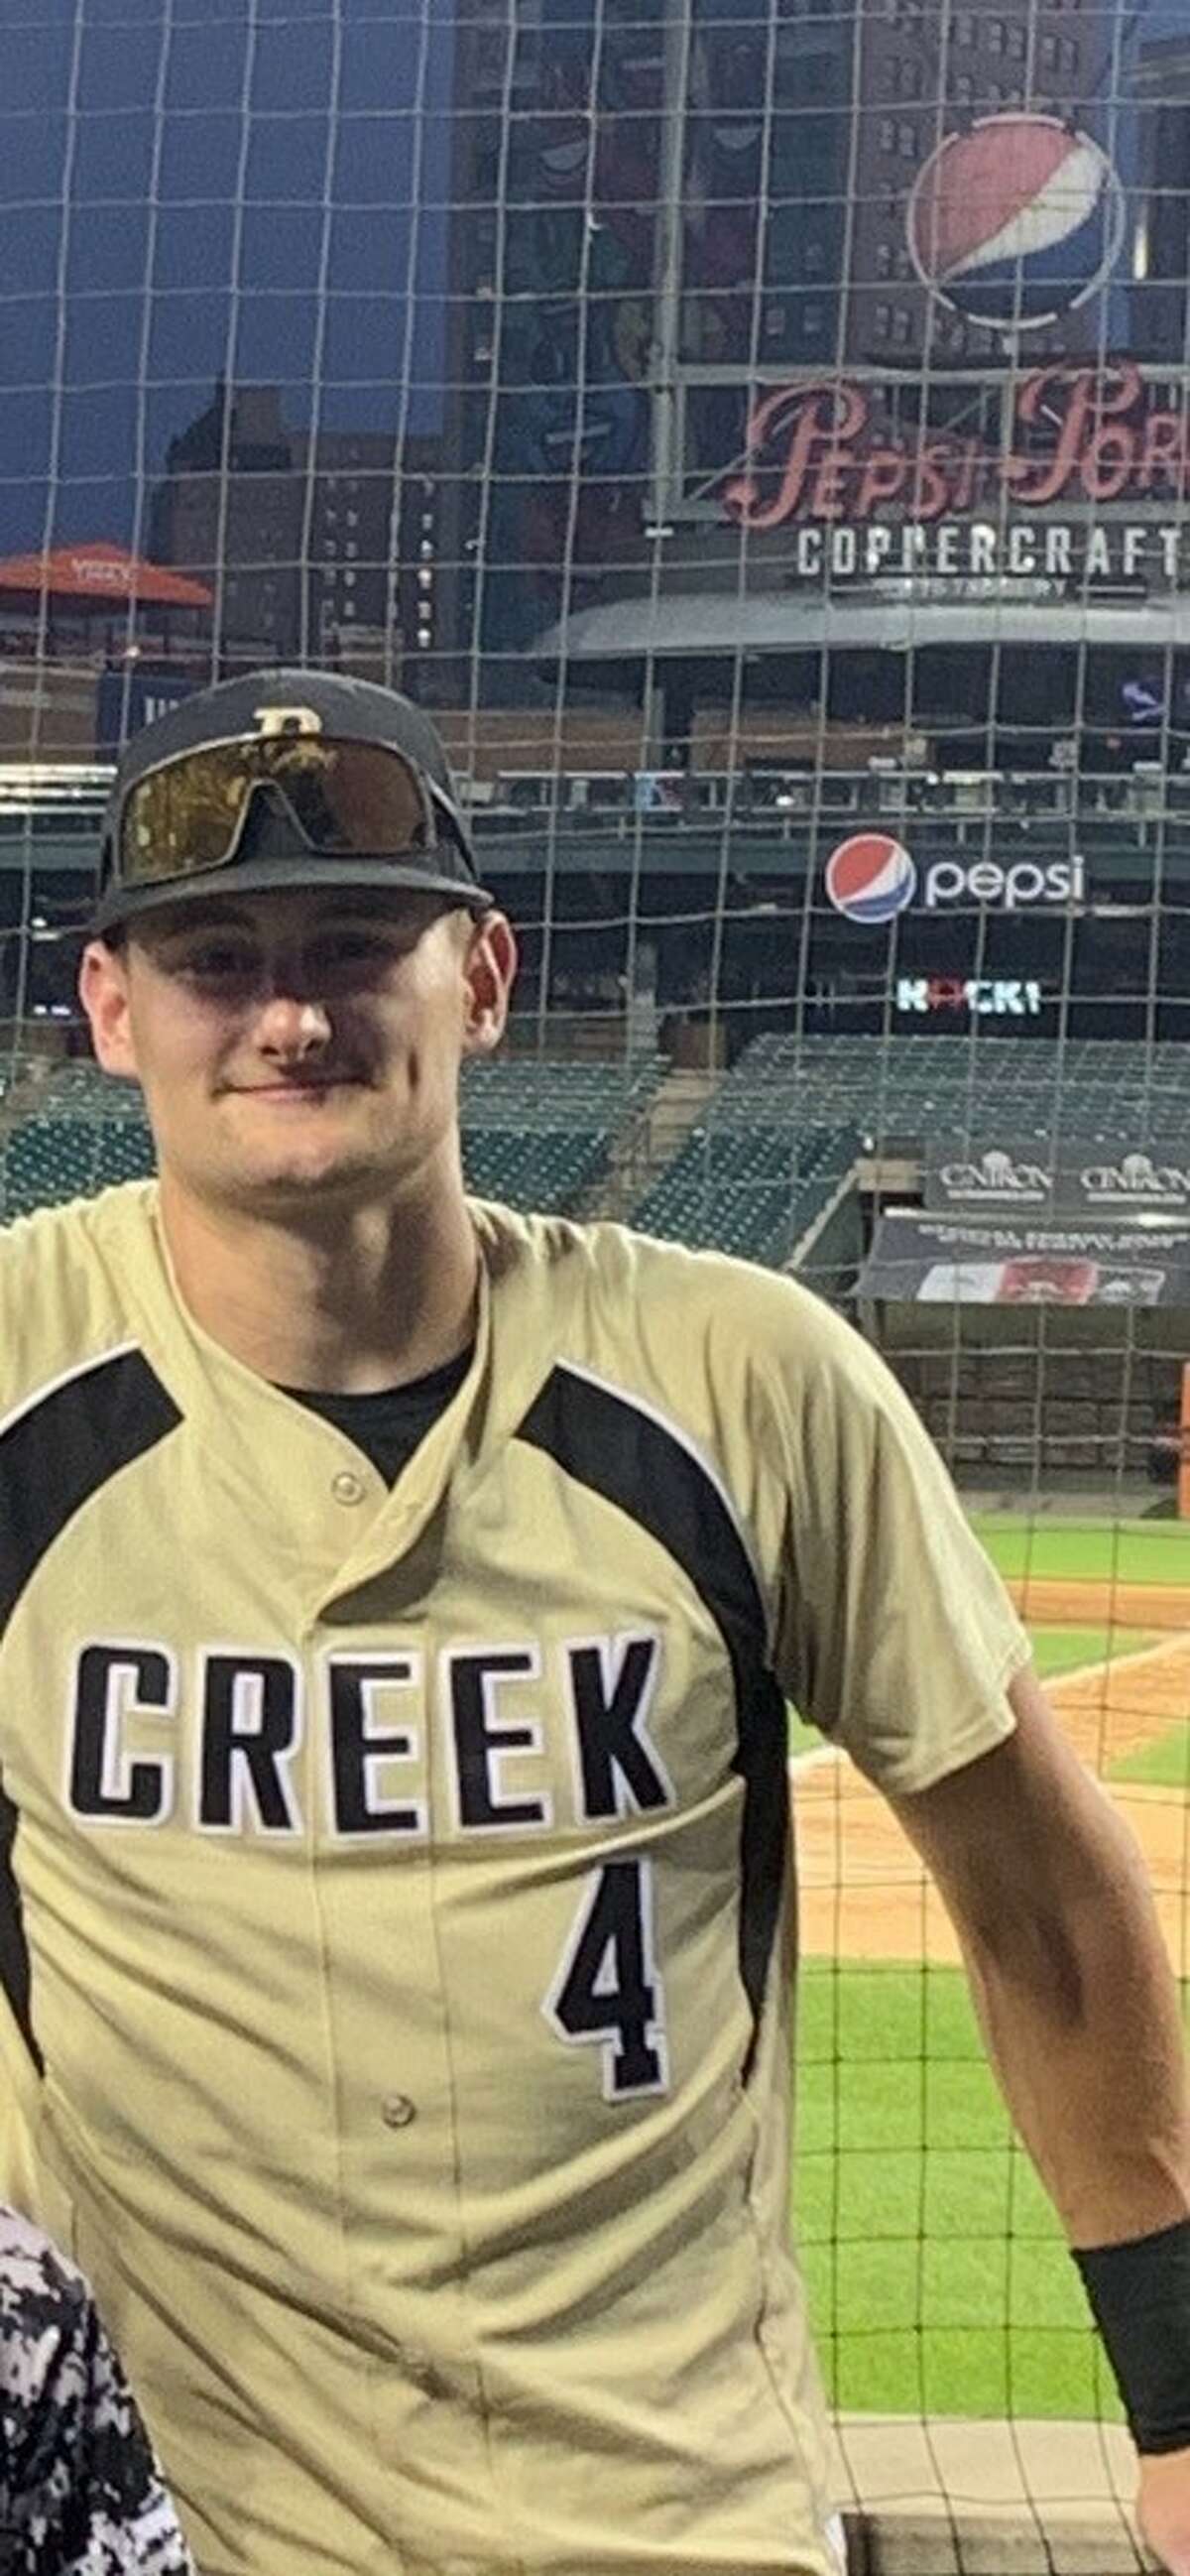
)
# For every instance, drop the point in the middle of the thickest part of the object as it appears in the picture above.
(334, 1170)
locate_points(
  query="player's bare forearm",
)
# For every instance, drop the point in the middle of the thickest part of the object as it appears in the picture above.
(1077, 2002)
(1163, 2505)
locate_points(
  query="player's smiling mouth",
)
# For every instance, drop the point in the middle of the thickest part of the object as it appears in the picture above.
(295, 1086)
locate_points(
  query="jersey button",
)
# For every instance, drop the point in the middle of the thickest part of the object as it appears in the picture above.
(347, 1488)
(397, 2111)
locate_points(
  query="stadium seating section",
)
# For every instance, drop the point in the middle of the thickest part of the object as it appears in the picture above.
(538, 1134)
(750, 1189)
(773, 1144)
(900, 1091)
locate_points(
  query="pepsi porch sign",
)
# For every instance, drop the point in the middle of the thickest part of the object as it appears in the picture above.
(819, 454)
(1013, 222)
(871, 878)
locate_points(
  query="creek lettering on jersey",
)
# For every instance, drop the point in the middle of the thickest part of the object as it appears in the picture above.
(241, 1736)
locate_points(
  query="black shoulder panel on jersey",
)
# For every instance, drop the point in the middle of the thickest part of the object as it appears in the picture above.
(607, 1443)
(14, 1948)
(63, 1448)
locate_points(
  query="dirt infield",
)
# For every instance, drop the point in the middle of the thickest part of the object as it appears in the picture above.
(864, 1894)
(1119, 1606)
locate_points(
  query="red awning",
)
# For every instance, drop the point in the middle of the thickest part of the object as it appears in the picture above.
(102, 573)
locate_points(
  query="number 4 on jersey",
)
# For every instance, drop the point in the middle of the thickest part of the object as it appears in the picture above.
(608, 1990)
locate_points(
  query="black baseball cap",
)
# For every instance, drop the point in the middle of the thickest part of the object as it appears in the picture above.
(281, 779)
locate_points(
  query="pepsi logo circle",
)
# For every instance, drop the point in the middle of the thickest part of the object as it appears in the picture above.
(870, 878)
(1016, 221)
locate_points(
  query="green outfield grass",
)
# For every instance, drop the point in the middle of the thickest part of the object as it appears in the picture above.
(1086, 1551)
(1068, 1650)
(1164, 1764)
(938, 2279)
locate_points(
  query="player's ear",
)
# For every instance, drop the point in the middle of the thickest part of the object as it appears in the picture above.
(489, 970)
(103, 992)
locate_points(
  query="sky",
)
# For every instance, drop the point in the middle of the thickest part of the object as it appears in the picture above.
(197, 188)
(178, 202)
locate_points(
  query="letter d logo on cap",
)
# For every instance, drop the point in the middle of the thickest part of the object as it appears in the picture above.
(278, 720)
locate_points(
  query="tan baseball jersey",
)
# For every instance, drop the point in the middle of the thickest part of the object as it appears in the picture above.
(397, 1925)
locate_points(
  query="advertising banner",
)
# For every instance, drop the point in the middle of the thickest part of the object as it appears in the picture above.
(1013, 1177)
(922, 1261)
(872, 876)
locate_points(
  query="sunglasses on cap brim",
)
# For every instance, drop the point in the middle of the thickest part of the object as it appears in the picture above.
(346, 800)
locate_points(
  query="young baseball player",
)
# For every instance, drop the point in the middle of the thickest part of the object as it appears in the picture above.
(401, 1598)
(80, 2493)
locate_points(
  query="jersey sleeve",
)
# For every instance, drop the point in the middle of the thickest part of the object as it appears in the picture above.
(893, 1632)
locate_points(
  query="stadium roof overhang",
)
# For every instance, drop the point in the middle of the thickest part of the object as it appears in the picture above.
(707, 622)
(101, 576)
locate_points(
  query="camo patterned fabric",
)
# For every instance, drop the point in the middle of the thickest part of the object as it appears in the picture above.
(80, 2491)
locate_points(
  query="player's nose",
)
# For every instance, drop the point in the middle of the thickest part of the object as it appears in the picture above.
(293, 1025)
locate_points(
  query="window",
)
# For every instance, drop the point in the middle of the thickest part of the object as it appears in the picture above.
(965, 29)
(1018, 45)
(812, 321)
(996, 35)
(907, 144)
(901, 327)
(884, 259)
(882, 321)
(887, 134)
(964, 89)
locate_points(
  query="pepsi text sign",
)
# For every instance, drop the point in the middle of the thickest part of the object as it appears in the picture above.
(871, 878)
(1016, 221)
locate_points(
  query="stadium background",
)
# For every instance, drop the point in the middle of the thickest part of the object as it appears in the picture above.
(759, 429)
